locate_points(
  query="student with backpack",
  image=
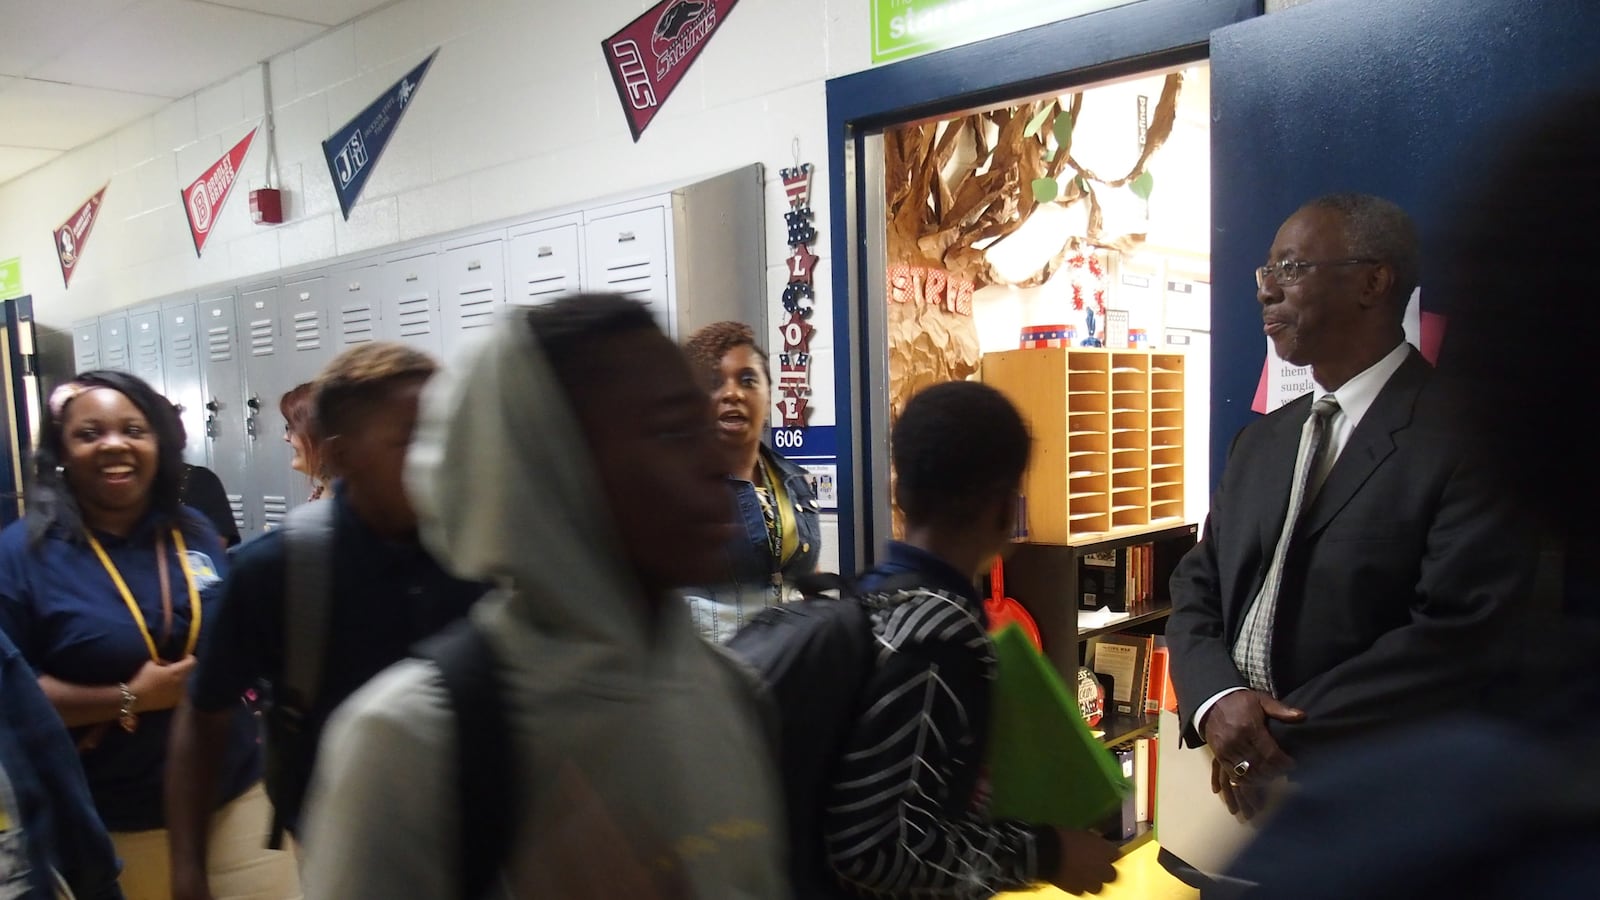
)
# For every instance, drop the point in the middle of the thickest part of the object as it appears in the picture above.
(572, 459)
(905, 814)
(315, 608)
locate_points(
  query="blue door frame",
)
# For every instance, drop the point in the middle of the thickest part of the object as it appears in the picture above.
(1125, 40)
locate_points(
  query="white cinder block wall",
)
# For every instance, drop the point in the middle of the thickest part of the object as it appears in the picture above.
(517, 115)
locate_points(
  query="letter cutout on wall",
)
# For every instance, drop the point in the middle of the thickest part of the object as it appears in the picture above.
(203, 199)
(74, 234)
(352, 152)
(650, 55)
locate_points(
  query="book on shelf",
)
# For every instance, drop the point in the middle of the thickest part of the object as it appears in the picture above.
(1102, 580)
(1123, 823)
(1125, 658)
(1141, 780)
(1160, 695)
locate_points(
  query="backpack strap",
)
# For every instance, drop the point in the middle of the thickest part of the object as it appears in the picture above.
(484, 770)
(307, 605)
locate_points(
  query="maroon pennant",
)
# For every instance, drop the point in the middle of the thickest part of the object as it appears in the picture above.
(74, 234)
(650, 55)
(203, 199)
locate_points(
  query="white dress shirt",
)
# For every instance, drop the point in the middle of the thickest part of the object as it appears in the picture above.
(1355, 397)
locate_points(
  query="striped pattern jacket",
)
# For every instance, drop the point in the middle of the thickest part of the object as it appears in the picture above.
(906, 816)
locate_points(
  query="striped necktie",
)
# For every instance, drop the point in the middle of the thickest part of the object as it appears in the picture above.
(1252, 652)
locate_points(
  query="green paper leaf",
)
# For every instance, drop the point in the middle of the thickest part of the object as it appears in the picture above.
(1037, 122)
(1082, 185)
(1063, 129)
(1045, 190)
(1143, 185)
(1048, 156)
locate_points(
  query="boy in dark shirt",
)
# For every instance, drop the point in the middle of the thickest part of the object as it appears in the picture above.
(386, 593)
(904, 818)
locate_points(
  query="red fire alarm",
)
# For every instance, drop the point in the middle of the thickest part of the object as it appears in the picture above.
(266, 206)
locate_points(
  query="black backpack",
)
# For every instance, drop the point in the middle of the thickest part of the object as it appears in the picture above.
(815, 656)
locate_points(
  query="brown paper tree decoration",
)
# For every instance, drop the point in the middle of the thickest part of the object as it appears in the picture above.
(956, 186)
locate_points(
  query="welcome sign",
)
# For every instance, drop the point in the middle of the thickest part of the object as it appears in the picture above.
(905, 28)
(650, 55)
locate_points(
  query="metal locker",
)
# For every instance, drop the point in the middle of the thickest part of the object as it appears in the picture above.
(411, 301)
(355, 296)
(544, 261)
(627, 254)
(114, 342)
(86, 345)
(180, 365)
(303, 316)
(222, 386)
(472, 281)
(266, 373)
(144, 346)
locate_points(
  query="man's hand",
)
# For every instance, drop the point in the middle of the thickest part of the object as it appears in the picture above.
(1086, 862)
(1236, 731)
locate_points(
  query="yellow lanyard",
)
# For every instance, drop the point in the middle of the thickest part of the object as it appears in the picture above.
(133, 605)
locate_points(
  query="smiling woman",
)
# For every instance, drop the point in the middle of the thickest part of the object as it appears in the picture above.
(107, 587)
(777, 535)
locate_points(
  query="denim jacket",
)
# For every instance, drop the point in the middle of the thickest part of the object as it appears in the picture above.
(49, 823)
(721, 610)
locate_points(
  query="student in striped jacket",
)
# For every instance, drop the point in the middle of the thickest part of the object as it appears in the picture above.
(907, 815)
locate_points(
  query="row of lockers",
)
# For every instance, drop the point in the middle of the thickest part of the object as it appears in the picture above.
(226, 356)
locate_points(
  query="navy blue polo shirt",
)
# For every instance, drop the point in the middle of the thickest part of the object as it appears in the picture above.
(387, 595)
(62, 610)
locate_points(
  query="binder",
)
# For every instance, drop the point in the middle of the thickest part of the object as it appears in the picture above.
(1045, 768)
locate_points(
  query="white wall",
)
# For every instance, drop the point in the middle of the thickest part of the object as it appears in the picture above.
(518, 114)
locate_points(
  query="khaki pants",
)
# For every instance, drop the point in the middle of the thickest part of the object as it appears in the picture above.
(237, 861)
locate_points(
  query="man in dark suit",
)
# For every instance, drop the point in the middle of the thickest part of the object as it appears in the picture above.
(1356, 562)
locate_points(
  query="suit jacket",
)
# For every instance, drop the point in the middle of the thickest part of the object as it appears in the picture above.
(1402, 567)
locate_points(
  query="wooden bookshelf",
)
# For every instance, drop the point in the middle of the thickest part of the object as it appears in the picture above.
(1120, 728)
(1108, 441)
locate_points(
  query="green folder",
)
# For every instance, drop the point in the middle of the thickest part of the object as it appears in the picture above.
(1045, 767)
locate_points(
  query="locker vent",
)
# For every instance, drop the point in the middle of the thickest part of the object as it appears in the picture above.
(544, 286)
(88, 358)
(414, 315)
(219, 343)
(261, 337)
(183, 349)
(307, 330)
(116, 357)
(273, 509)
(477, 306)
(147, 357)
(236, 503)
(356, 324)
(629, 277)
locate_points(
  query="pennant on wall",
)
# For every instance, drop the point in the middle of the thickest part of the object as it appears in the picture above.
(74, 234)
(650, 55)
(203, 199)
(353, 150)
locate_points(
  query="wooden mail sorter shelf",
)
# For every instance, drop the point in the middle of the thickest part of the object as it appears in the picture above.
(1108, 438)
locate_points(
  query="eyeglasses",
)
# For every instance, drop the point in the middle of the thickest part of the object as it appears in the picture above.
(1287, 271)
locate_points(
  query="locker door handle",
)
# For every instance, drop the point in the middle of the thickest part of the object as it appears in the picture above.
(250, 421)
(543, 252)
(624, 237)
(474, 266)
(212, 429)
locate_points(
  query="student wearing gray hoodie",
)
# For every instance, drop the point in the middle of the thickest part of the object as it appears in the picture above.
(571, 460)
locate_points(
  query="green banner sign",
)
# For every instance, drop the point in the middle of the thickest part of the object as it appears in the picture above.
(10, 278)
(903, 28)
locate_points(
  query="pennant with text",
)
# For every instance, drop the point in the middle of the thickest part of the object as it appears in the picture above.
(203, 200)
(353, 150)
(74, 234)
(650, 55)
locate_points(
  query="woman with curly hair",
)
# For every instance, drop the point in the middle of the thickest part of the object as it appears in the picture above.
(777, 534)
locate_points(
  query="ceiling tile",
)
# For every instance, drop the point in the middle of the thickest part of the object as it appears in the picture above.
(46, 115)
(16, 160)
(38, 32)
(325, 12)
(173, 48)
